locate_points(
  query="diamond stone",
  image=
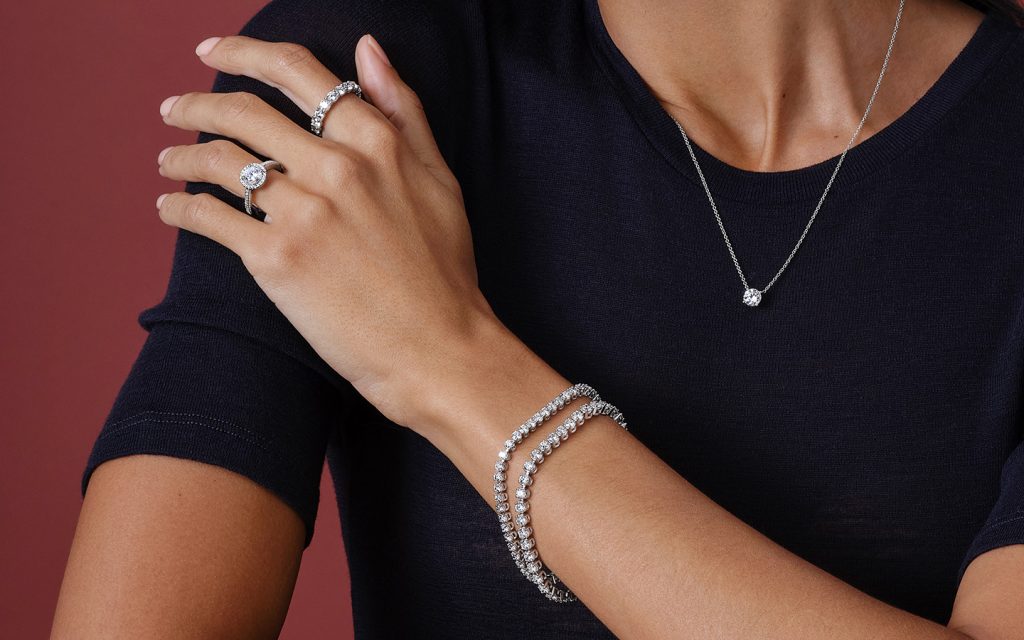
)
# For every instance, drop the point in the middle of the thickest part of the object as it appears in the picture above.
(253, 175)
(752, 297)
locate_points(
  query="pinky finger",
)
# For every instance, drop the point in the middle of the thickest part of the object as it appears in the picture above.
(209, 216)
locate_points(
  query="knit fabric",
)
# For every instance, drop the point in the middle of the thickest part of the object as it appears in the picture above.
(864, 416)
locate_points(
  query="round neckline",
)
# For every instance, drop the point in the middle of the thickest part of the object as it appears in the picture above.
(728, 182)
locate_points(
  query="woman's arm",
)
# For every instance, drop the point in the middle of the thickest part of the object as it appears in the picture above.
(172, 548)
(369, 256)
(647, 552)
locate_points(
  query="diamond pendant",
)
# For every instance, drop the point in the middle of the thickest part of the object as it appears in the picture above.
(751, 297)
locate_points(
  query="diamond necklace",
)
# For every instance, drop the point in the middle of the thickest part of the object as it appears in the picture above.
(752, 296)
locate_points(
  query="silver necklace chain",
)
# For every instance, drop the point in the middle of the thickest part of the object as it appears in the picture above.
(752, 296)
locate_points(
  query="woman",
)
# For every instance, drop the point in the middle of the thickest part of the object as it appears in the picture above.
(821, 443)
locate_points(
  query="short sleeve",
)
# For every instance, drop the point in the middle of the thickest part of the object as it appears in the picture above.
(222, 376)
(1005, 523)
(216, 396)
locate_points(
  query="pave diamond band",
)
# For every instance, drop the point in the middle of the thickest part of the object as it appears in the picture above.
(252, 177)
(316, 125)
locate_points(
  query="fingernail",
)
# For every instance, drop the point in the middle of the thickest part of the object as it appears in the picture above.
(160, 200)
(380, 51)
(206, 46)
(165, 106)
(160, 158)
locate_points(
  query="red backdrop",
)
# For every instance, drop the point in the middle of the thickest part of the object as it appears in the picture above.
(82, 251)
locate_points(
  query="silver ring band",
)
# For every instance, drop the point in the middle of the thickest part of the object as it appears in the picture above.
(252, 177)
(316, 125)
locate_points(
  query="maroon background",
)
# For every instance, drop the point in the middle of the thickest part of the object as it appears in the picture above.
(82, 251)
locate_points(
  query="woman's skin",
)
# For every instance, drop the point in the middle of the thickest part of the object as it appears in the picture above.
(385, 290)
(771, 86)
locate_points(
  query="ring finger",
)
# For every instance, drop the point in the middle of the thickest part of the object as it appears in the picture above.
(220, 162)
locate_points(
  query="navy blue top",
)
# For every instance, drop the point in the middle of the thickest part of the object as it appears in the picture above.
(864, 416)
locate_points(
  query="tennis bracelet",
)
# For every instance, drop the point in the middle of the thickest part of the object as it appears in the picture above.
(515, 526)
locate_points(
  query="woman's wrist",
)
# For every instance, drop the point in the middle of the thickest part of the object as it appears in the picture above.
(489, 384)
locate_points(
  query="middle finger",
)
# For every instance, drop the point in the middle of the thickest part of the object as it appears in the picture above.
(244, 117)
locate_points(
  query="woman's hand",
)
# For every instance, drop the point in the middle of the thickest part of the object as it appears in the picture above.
(366, 247)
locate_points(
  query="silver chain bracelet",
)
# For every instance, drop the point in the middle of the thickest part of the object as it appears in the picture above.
(501, 504)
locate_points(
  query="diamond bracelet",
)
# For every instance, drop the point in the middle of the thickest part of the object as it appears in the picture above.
(547, 581)
(501, 504)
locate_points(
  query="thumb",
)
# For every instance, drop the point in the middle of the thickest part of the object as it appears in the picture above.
(397, 101)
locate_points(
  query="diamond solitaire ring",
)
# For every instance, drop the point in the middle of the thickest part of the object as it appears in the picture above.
(316, 125)
(252, 177)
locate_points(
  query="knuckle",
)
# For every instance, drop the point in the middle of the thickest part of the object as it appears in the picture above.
(229, 49)
(342, 167)
(238, 104)
(183, 106)
(197, 208)
(411, 98)
(456, 189)
(212, 156)
(383, 139)
(282, 254)
(290, 57)
(314, 208)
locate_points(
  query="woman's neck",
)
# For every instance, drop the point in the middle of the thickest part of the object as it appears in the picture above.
(782, 84)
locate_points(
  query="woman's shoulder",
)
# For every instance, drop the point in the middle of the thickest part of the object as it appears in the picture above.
(433, 44)
(1006, 73)
(335, 25)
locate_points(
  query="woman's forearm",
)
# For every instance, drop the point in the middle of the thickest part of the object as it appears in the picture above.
(649, 554)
